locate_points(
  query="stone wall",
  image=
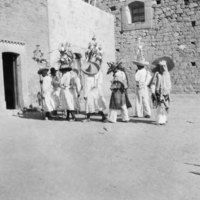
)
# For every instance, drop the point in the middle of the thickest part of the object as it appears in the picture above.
(174, 32)
(26, 21)
(76, 22)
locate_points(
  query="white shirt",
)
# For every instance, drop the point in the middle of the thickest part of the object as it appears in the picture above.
(47, 84)
(92, 82)
(65, 80)
(141, 76)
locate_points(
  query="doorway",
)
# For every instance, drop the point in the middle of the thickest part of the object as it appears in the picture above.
(10, 74)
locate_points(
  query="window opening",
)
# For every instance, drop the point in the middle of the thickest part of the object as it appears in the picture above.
(137, 11)
(193, 23)
(193, 63)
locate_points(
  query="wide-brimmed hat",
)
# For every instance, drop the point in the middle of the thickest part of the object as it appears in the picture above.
(140, 59)
(169, 61)
(90, 68)
(140, 63)
(78, 55)
(40, 71)
(53, 71)
(65, 68)
(113, 66)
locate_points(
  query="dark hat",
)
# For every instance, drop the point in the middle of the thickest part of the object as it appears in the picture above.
(65, 68)
(53, 71)
(90, 68)
(78, 55)
(40, 71)
(113, 66)
(169, 61)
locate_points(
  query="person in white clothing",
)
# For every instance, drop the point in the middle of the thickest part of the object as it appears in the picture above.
(119, 99)
(75, 88)
(47, 89)
(161, 88)
(142, 77)
(56, 88)
(66, 97)
(93, 95)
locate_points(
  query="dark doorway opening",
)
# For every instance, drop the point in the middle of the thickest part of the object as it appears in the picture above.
(10, 67)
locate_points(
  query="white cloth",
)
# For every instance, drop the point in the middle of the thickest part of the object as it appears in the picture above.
(112, 115)
(142, 105)
(56, 92)
(66, 97)
(161, 117)
(75, 88)
(47, 88)
(93, 92)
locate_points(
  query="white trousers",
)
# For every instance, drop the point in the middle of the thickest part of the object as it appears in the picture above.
(49, 103)
(142, 105)
(66, 98)
(161, 117)
(112, 116)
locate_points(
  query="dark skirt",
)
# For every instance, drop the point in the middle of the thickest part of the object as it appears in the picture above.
(118, 99)
(128, 103)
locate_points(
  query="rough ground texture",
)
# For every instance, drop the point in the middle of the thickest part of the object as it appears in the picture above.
(59, 160)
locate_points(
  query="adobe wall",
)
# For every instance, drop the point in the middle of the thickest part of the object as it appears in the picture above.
(172, 34)
(76, 22)
(26, 21)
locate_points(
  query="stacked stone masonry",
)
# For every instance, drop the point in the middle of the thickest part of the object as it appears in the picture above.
(174, 32)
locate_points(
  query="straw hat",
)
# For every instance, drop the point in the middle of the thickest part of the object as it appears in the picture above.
(65, 68)
(162, 61)
(90, 68)
(113, 66)
(140, 61)
(140, 58)
(40, 71)
(78, 55)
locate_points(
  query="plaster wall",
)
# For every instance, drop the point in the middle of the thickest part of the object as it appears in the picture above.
(76, 22)
(24, 21)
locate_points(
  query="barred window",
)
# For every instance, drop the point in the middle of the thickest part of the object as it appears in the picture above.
(137, 11)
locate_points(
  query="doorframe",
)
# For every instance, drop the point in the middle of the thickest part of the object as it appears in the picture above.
(20, 49)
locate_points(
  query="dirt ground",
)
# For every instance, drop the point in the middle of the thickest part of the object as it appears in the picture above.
(60, 160)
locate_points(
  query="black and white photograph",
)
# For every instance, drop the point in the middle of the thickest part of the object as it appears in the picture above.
(99, 99)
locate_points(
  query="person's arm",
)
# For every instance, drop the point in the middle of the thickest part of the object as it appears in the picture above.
(78, 86)
(99, 83)
(86, 88)
(158, 82)
(138, 76)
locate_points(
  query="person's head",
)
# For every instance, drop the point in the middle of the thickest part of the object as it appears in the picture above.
(163, 66)
(65, 71)
(44, 73)
(57, 74)
(140, 67)
(121, 65)
(53, 71)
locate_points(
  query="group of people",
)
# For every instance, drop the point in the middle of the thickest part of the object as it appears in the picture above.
(61, 88)
(64, 92)
(60, 92)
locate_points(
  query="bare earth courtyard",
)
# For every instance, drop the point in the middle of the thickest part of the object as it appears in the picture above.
(59, 160)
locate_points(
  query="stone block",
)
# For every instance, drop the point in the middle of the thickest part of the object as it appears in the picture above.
(179, 11)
